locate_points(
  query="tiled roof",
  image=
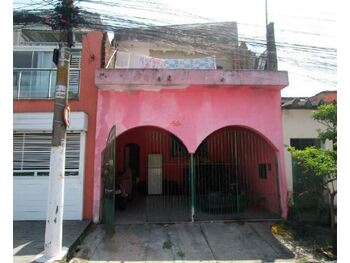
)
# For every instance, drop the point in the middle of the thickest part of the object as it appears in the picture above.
(313, 102)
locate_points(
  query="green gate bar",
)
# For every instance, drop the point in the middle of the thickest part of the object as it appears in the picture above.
(108, 177)
(193, 192)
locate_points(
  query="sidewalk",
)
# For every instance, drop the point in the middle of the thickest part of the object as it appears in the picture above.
(28, 237)
(183, 242)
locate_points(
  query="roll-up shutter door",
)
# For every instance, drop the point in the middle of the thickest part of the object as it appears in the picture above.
(31, 164)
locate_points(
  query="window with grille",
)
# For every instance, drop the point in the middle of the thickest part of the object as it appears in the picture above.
(262, 170)
(31, 154)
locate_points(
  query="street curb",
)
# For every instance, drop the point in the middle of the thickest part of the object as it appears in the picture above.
(75, 244)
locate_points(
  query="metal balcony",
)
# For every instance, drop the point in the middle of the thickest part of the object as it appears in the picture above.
(39, 83)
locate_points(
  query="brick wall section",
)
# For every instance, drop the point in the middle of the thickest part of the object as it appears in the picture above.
(107, 51)
(325, 96)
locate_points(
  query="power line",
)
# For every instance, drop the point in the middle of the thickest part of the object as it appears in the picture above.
(308, 55)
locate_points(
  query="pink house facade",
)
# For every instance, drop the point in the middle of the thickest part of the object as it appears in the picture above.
(192, 105)
(180, 144)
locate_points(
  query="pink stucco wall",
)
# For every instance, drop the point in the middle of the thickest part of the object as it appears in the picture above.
(191, 114)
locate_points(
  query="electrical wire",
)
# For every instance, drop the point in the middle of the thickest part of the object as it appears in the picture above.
(308, 56)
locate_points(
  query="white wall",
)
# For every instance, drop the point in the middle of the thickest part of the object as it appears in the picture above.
(298, 123)
(30, 198)
(42, 121)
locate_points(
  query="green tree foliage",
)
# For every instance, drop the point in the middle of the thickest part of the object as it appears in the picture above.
(317, 162)
(327, 115)
(321, 163)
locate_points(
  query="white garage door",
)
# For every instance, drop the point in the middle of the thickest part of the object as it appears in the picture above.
(31, 161)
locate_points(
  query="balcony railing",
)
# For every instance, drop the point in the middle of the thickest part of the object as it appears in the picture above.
(40, 83)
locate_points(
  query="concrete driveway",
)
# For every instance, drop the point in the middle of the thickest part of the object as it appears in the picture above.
(217, 241)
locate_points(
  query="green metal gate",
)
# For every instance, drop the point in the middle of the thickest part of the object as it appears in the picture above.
(235, 177)
(161, 188)
(232, 175)
(108, 169)
(168, 197)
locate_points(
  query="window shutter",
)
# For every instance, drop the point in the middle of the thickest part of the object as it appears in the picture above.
(74, 74)
(72, 151)
(18, 140)
(75, 60)
(36, 154)
(31, 151)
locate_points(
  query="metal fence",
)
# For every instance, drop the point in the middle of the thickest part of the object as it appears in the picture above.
(236, 177)
(169, 201)
(160, 175)
(232, 175)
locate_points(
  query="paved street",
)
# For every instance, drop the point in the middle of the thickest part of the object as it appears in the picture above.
(29, 236)
(252, 242)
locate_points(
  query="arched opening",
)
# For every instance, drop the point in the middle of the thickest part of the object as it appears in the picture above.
(236, 176)
(152, 176)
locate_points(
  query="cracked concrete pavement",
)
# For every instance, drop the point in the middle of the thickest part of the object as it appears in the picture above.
(190, 242)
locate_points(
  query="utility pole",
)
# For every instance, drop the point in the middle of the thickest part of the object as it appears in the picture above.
(271, 47)
(54, 221)
(271, 52)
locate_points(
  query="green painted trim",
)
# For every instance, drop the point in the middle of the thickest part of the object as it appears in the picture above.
(108, 170)
(193, 186)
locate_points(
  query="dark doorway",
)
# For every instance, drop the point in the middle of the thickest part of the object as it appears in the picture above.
(132, 161)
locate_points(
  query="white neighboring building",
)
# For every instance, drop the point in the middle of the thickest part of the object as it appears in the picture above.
(299, 128)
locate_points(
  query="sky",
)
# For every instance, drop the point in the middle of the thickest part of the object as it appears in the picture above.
(304, 30)
(310, 24)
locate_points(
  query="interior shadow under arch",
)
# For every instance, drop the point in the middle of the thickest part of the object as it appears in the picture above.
(236, 176)
(153, 165)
